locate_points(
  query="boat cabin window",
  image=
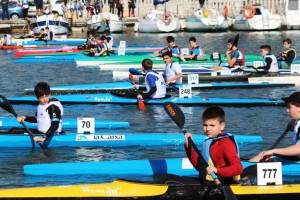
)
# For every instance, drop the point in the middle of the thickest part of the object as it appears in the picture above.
(293, 5)
(257, 11)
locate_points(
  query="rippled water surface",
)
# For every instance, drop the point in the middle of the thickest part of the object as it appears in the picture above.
(269, 122)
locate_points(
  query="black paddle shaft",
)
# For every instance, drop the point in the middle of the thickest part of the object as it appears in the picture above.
(5, 105)
(235, 41)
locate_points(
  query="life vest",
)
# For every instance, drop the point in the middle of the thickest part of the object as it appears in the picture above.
(240, 61)
(285, 52)
(45, 115)
(171, 49)
(206, 154)
(274, 64)
(99, 48)
(90, 42)
(201, 52)
(160, 85)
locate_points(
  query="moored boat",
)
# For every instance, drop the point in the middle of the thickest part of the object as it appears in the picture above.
(108, 98)
(158, 21)
(57, 24)
(68, 123)
(111, 139)
(256, 18)
(105, 21)
(204, 20)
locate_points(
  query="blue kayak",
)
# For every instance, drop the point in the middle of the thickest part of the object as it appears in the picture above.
(113, 139)
(177, 166)
(68, 123)
(109, 98)
(126, 85)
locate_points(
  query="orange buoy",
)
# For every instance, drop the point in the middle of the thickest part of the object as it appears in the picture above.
(167, 17)
(225, 9)
(249, 12)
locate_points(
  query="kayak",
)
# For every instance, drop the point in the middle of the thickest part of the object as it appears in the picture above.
(108, 98)
(71, 56)
(68, 123)
(177, 166)
(112, 139)
(65, 50)
(84, 61)
(292, 78)
(181, 189)
(125, 86)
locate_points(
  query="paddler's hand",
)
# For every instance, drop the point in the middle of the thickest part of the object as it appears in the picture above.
(139, 96)
(186, 136)
(211, 169)
(38, 139)
(136, 87)
(228, 52)
(21, 118)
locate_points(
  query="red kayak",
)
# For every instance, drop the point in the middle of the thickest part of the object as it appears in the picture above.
(46, 51)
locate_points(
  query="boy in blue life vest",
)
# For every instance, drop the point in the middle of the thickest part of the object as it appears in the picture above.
(196, 52)
(48, 115)
(219, 149)
(172, 48)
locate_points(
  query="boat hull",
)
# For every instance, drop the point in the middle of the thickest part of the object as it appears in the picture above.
(109, 98)
(196, 25)
(177, 166)
(171, 190)
(293, 79)
(110, 139)
(68, 123)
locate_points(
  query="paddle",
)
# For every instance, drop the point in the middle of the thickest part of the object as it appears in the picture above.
(178, 117)
(141, 102)
(235, 41)
(5, 105)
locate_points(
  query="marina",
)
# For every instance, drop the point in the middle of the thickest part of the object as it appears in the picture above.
(147, 145)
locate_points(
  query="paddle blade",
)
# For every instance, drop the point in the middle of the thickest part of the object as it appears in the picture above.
(5, 105)
(142, 105)
(131, 78)
(236, 40)
(175, 113)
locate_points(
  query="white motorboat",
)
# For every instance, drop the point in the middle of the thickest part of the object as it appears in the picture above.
(56, 23)
(206, 20)
(292, 14)
(158, 21)
(256, 18)
(104, 21)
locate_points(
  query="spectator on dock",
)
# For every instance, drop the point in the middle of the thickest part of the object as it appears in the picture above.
(97, 6)
(39, 7)
(4, 4)
(78, 8)
(111, 6)
(131, 7)
(288, 54)
(25, 8)
(119, 6)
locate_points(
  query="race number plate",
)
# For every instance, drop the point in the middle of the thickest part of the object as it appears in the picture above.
(185, 92)
(269, 173)
(295, 68)
(193, 79)
(85, 125)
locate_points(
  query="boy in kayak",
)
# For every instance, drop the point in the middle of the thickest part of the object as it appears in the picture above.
(219, 150)
(173, 72)
(172, 48)
(196, 53)
(288, 54)
(48, 115)
(293, 109)
(155, 83)
(270, 61)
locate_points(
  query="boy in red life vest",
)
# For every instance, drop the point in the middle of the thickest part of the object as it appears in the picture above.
(219, 149)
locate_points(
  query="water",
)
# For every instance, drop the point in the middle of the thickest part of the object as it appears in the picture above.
(269, 122)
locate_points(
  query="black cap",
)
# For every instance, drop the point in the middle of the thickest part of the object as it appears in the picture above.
(295, 97)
